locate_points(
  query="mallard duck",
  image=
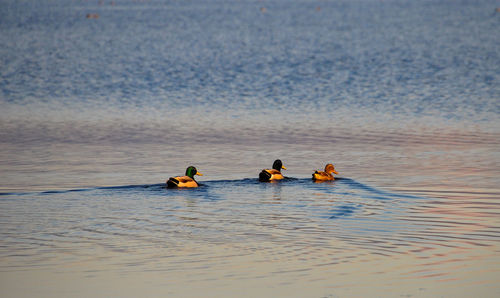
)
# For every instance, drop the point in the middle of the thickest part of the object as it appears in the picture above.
(325, 175)
(274, 173)
(185, 181)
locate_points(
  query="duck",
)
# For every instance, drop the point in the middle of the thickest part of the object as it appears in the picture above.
(274, 173)
(325, 175)
(184, 181)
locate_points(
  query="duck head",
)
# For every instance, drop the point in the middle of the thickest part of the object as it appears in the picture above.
(329, 168)
(191, 171)
(278, 165)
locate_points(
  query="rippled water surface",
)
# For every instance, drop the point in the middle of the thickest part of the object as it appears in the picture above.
(96, 113)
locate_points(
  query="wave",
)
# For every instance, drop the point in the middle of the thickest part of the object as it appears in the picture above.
(288, 181)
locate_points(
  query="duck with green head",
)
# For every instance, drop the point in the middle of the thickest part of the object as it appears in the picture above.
(273, 174)
(184, 181)
(325, 175)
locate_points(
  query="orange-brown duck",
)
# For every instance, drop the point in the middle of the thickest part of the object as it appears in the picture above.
(325, 175)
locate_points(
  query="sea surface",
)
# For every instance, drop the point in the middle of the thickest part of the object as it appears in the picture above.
(102, 101)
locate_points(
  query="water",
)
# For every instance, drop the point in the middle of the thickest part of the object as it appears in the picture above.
(95, 115)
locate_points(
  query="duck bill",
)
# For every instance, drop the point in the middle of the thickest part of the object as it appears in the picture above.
(198, 173)
(335, 172)
(283, 167)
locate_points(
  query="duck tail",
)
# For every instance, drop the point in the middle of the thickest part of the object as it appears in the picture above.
(264, 176)
(172, 183)
(316, 175)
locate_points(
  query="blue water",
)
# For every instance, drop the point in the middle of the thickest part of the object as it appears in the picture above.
(220, 211)
(96, 113)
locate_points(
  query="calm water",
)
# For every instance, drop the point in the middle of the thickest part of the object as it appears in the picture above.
(96, 113)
